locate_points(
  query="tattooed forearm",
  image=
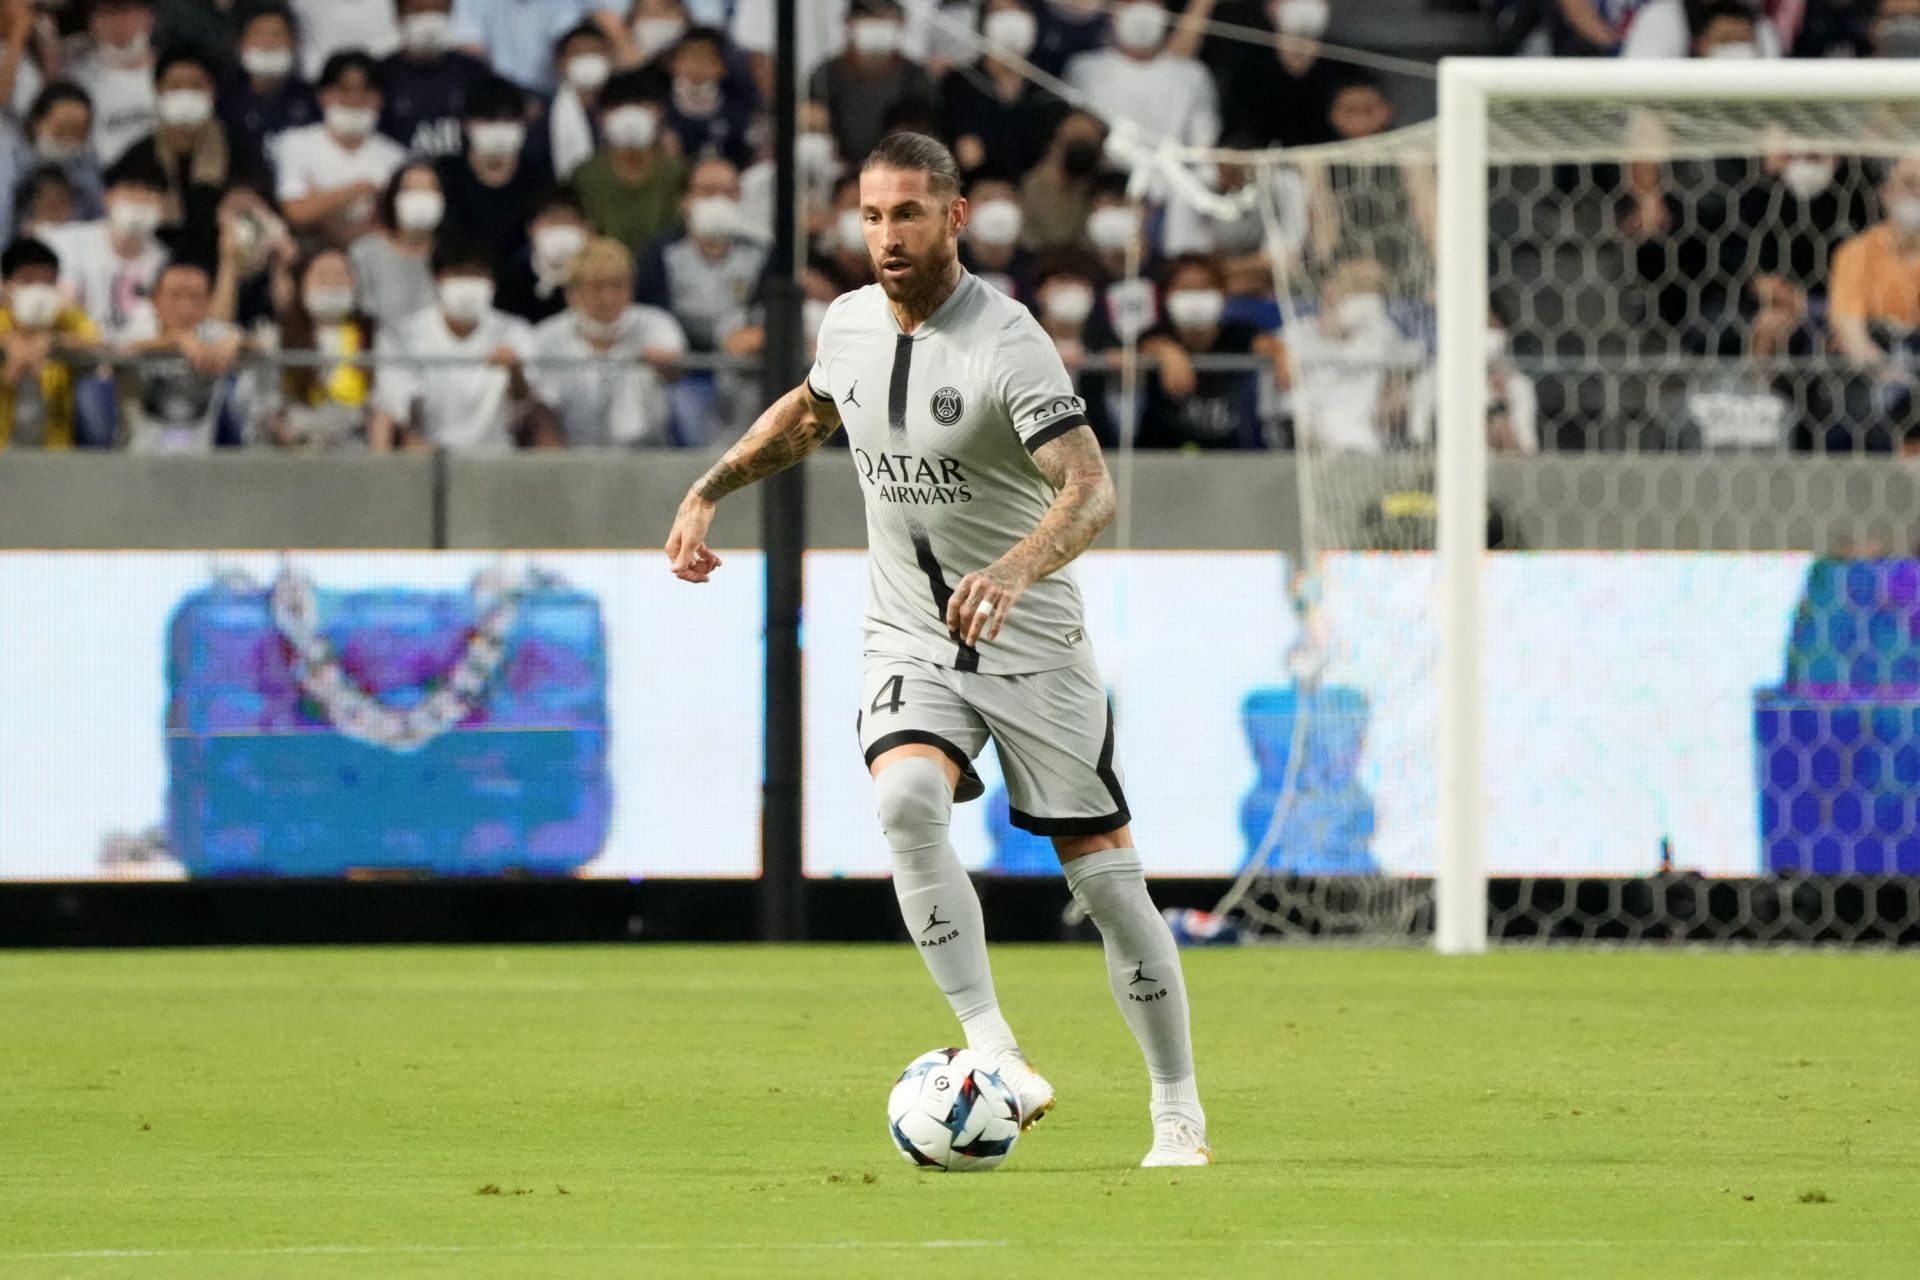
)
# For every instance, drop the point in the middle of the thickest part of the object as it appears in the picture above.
(1081, 509)
(792, 427)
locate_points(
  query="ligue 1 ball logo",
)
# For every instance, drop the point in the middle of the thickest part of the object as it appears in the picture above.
(946, 406)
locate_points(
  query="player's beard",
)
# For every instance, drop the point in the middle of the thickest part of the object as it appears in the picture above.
(924, 287)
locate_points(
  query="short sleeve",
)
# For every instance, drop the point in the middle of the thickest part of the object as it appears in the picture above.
(659, 331)
(825, 344)
(1032, 382)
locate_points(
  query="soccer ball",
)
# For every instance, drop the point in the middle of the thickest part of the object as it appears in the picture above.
(949, 1111)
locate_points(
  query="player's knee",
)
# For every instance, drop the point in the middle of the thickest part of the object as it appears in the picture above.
(914, 801)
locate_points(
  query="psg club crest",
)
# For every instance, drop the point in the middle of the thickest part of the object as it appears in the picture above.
(946, 406)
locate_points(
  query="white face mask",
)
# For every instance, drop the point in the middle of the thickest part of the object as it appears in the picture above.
(813, 152)
(1138, 26)
(465, 298)
(875, 37)
(1013, 29)
(1111, 228)
(496, 139)
(995, 223)
(1807, 177)
(329, 304)
(1906, 213)
(352, 123)
(1734, 49)
(267, 64)
(426, 32)
(713, 217)
(851, 232)
(654, 35)
(1304, 18)
(631, 127)
(586, 72)
(697, 98)
(36, 306)
(184, 108)
(130, 53)
(131, 220)
(1361, 311)
(1069, 303)
(1195, 308)
(1496, 344)
(554, 247)
(813, 314)
(419, 210)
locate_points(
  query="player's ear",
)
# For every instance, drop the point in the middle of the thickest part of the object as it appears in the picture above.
(957, 214)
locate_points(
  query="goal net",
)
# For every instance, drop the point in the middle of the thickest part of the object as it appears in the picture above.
(1609, 611)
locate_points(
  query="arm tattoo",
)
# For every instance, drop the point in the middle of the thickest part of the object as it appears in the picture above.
(1081, 509)
(792, 427)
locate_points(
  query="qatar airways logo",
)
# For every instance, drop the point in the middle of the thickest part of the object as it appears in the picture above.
(911, 480)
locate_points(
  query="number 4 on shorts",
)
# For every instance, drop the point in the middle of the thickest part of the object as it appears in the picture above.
(893, 686)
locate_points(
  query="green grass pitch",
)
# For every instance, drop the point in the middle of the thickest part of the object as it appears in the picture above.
(642, 1111)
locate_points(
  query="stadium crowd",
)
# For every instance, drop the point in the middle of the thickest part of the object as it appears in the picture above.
(548, 221)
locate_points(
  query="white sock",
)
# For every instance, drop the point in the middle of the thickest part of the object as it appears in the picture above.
(1180, 1097)
(936, 898)
(1143, 965)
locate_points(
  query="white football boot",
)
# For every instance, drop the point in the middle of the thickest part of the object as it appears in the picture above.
(1179, 1142)
(1035, 1094)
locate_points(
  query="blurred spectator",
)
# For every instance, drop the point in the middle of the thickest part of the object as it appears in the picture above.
(533, 283)
(1360, 109)
(707, 273)
(323, 408)
(993, 113)
(109, 267)
(823, 34)
(1239, 240)
(331, 173)
(58, 132)
(845, 242)
(584, 59)
(1874, 311)
(46, 200)
(1212, 409)
(328, 27)
(991, 247)
(517, 38)
(38, 326)
(631, 190)
(871, 80)
(480, 403)
(657, 27)
(393, 269)
(1789, 221)
(819, 172)
(1721, 29)
(113, 62)
(622, 401)
(426, 83)
(1142, 80)
(21, 80)
(1351, 365)
(1068, 28)
(1057, 194)
(491, 190)
(709, 111)
(1895, 29)
(267, 95)
(1283, 98)
(256, 255)
(1513, 404)
(200, 157)
(178, 399)
(1080, 334)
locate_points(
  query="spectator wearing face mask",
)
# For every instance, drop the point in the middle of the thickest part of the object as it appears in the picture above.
(1057, 193)
(870, 80)
(1065, 298)
(1731, 29)
(621, 401)
(492, 188)
(331, 173)
(1210, 409)
(584, 60)
(328, 27)
(323, 408)
(1141, 79)
(256, 257)
(480, 404)
(1352, 366)
(200, 156)
(427, 82)
(40, 330)
(657, 26)
(533, 284)
(516, 38)
(844, 243)
(1874, 311)
(108, 267)
(113, 62)
(1068, 28)
(266, 96)
(393, 269)
(58, 133)
(178, 398)
(632, 189)
(46, 202)
(1283, 95)
(991, 246)
(708, 110)
(991, 110)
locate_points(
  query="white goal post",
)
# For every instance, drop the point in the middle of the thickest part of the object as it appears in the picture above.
(1470, 90)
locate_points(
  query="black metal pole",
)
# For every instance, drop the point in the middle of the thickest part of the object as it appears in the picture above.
(783, 523)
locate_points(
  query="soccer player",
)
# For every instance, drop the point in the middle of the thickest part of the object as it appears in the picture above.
(982, 482)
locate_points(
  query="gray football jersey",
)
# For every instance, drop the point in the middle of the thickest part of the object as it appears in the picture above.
(942, 424)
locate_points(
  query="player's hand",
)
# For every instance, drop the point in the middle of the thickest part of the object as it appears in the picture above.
(997, 586)
(687, 551)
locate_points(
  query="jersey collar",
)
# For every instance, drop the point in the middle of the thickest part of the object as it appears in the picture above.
(932, 322)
